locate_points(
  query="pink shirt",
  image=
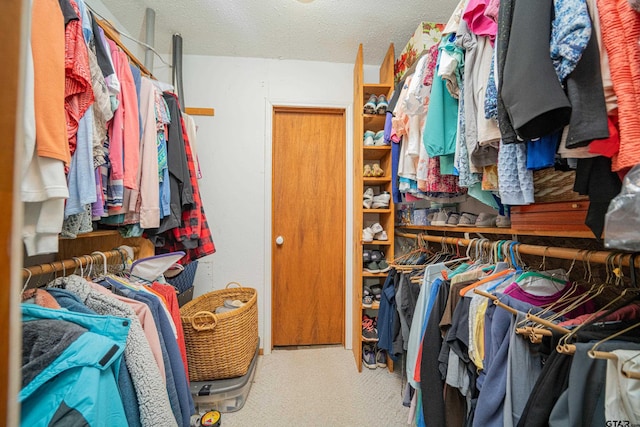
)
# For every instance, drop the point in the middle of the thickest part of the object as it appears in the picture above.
(478, 23)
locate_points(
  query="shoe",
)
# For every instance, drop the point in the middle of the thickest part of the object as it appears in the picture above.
(367, 171)
(369, 332)
(382, 200)
(378, 138)
(486, 220)
(367, 301)
(369, 138)
(372, 267)
(367, 198)
(376, 170)
(367, 235)
(381, 236)
(377, 292)
(369, 357)
(467, 219)
(377, 255)
(376, 228)
(381, 105)
(503, 221)
(381, 358)
(440, 219)
(371, 105)
(383, 267)
(453, 219)
(366, 256)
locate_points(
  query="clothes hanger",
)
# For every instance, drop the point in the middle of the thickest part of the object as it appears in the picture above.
(26, 283)
(627, 373)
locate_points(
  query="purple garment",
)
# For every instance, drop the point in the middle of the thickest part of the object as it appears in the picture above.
(515, 291)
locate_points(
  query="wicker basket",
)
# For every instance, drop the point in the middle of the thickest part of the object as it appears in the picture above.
(552, 185)
(220, 345)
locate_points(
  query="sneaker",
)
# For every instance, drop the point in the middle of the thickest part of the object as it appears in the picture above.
(371, 104)
(381, 358)
(503, 221)
(381, 105)
(369, 357)
(367, 198)
(383, 267)
(376, 228)
(372, 267)
(376, 290)
(382, 200)
(369, 332)
(468, 219)
(377, 255)
(486, 220)
(440, 219)
(381, 236)
(367, 301)
(367, 235)
(369, 138)
(453, 219)
(378, 138)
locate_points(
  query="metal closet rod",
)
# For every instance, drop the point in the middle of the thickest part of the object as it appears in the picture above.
(600, 257)
(80, 261)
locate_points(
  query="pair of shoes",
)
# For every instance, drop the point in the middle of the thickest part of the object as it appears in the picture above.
(369, 356)
(371, 138)
(369, 331)
(373, 357)
(371, 255)
(377, 267)
(374, 232)
(376, 105)
(371, 201)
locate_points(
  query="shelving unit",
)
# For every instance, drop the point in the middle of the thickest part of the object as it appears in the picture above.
(365, 217)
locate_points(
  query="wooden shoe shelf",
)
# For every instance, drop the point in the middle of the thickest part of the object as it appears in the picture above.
(362, 156)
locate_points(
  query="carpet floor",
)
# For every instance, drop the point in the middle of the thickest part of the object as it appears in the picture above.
(320, 386)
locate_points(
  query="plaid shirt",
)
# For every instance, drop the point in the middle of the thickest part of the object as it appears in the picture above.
(193, 235)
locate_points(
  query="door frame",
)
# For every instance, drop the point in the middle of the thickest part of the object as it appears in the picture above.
(270, 103)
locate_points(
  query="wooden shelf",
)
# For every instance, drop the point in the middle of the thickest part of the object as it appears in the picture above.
(376, 152)
(376, 180)
(373, 122)
(94, 234)
(373, 307)
(376, 88)
(376, 211)
(508, 231)
(377, 242)
(367, 274)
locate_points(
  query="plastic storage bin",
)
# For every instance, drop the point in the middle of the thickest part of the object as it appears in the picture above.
(226, 395)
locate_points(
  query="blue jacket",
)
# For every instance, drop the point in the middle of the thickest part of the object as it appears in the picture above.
(73, 382)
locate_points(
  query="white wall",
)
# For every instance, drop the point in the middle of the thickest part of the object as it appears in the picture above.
(234, 149)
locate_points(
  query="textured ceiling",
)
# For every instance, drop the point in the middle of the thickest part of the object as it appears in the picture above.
(317, 30)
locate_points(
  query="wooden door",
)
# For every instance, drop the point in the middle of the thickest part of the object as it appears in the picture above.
(308, 202)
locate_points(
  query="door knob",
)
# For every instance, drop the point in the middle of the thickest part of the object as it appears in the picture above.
(279, 240)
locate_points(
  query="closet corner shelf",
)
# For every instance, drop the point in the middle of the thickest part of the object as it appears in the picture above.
(377, 180)
(376, 211)
(377, 242)
(374, 122)
(376, 152)
(512, 231)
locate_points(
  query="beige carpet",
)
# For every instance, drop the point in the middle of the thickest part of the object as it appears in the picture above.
(319, 386)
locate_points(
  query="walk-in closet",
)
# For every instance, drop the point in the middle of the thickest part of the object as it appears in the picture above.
(311, 213)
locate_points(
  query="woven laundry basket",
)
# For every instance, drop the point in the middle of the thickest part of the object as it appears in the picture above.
(551, 185)
(220, 345)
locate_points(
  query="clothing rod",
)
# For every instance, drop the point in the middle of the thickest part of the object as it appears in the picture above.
(600, 257)
(80, 261)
